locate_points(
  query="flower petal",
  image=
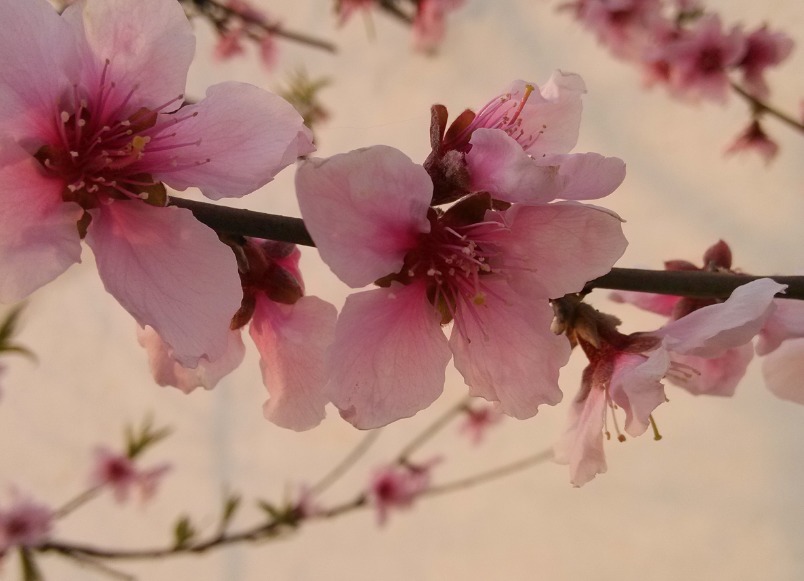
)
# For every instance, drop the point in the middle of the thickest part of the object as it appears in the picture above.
(148, 45)
(636, 387)
(39, 237)
(39, 62)
(710, 330)
(170, 272)
(506, 352)
(785, 322)
(554, 115)
(239, 137)
(556, 249)
(292, 341)
(364, 210)
(167, 371)
(711, 375)
(585, 176)
(581, 446)
(783, 370)
(389, 357)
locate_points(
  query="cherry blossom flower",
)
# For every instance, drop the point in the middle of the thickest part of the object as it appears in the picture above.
(94, 130)
(754, 139)
(397, 487)
(490, 272)
(764, 49)
(346, 8)
(121, 474)
(700, 58)
(429, 23)
(291, 332)
(626, 371)
(478, 420)
(25, 523)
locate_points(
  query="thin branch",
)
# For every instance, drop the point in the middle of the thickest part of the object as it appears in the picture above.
(439, 424)
(761, 107)
(344, 465)
(77, 502)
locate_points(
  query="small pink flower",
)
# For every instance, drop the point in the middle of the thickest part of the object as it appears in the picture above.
(478, 421)
(121, 474)
(344, 9)
(701, 58)
(764, 49)
(94, 130)
(626, 371)
(229, 44)
(754, 139)
(25, 524)
(291, 332)
(397, 487)
(429, 23)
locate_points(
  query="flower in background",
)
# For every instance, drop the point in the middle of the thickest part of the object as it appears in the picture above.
(626, 371)
(25, 523)
(478, 420)
(94, 130)
(397, 487)
(291, 332)
(120, 473)
(344, 9)
(764, 49)
(754, 139)
(429, 23)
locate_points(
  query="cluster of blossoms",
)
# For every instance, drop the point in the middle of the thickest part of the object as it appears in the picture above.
(429, 19)
(681, 47)
(238, 22)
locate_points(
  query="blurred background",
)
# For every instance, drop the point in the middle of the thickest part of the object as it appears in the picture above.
(719, 498)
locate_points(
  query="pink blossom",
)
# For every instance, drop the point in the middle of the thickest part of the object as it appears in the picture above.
(345, 8)
(764, 49)
(121, 474)
(94, 129)
(429, 23)
(626, 371)
(754, 139)
(291, 332)
(478, 421)
(701, 57)
(490, 272)
(783, 369)
(397, 487)
(25, 523)
(230, 43)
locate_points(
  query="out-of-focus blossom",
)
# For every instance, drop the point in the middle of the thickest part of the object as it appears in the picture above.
(754, 139)
(429, 23)
(230, 43)
(397, 487)
(626, 371)
(701, 57)
(121, 474)
(764, 49)
(291, 332)
(783, 369)
(346, 8)
(94, 129)
(25, 523)
(478, 420)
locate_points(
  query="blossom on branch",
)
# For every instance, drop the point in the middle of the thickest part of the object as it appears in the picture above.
(626, 371)
(93, 130)
(291, 332)
(120, 473)
(25, 523)
(397, 487)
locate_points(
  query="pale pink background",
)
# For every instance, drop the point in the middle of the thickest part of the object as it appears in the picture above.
(718, 499)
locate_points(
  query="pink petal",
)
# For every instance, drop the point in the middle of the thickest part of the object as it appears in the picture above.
(556, 249)
(785, 322)
(245, 136)
(292, 341)
(636, 387)
(167, 371)
(497, 164)
(713, 375)
(783, 370)
(554, 115)
(39, 237)
(148, 44)
(581, 446)
(389, 357)
(364, 209)
(659, 304)
(40, 61)
(170, 272)
(710, 330)
(506, 352)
